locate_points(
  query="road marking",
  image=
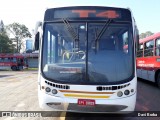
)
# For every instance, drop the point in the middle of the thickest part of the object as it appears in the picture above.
(63, 114)
(29, 77)
(21, 104)
(9, 118)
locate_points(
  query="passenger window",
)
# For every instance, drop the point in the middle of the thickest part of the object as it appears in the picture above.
(14, 60)
(140, 51)
(158, 47)
(1, 59)
(125, 42)
(6, 60)
(149, 48)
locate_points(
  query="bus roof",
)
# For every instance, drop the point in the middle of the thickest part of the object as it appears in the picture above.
(152, 37)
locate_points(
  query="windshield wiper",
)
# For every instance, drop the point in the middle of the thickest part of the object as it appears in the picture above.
(102, 31)
(70, 29)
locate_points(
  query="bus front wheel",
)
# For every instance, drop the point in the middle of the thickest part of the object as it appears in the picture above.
(158, 80)
(14, 68)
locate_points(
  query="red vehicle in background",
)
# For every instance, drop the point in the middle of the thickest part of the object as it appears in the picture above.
(148, 59)
(13, 61)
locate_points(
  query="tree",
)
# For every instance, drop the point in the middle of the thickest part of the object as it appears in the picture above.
(19, 31)
(6, 45)
(146, 34)
(1, 26)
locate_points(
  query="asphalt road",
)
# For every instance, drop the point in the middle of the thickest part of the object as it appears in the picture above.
(19, 93)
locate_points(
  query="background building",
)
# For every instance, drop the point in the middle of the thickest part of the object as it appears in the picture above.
(26, 45)
(29, 45)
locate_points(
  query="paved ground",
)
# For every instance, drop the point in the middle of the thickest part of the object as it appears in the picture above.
(19, 93)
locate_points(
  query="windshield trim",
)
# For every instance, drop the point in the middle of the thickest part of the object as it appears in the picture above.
(85, 82)
(60, 20)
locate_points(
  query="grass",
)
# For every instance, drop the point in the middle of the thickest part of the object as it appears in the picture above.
(31, 69)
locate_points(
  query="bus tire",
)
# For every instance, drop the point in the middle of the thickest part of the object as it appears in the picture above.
(14, 68)
(158, 80)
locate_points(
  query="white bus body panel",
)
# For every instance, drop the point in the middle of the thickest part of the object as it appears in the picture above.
(128, 101)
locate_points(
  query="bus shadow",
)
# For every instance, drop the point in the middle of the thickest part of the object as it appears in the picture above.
(1, 76)
(95, 116)
(146, 82)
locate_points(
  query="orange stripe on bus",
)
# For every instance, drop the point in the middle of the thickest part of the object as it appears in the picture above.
(84, 96)
(85, 92)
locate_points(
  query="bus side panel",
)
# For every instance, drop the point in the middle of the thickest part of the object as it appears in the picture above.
(146, 68)
(151, 75)
(139, 73)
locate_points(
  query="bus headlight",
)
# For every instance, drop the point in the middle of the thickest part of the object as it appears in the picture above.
(132, 90)
(54, 91)
(119, 94)
(126, 92)
(48, 89)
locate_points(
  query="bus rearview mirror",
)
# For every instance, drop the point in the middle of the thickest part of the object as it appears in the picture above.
(36, 43)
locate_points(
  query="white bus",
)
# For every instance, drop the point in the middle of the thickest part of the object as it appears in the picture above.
(87, 59)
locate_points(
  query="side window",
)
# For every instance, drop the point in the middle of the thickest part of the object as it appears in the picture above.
(1, 59)
(149, 48)
(14, 60)
(125, 42)
(52, 50)
(6, 60)
(140, 50)
(9, 59)
(157, 47)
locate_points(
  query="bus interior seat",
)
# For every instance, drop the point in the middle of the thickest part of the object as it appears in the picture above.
(106, 44)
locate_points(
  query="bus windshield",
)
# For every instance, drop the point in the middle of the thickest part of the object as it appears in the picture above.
(95, 52)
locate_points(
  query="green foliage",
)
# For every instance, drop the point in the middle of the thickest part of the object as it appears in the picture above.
(19, 31)
(1, 26)
(146, 34)
(6, 45)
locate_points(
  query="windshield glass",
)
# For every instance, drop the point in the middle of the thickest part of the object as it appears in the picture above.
(87, 53)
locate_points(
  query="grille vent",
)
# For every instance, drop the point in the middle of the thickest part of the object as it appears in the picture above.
(102, 88)
(57, 85)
